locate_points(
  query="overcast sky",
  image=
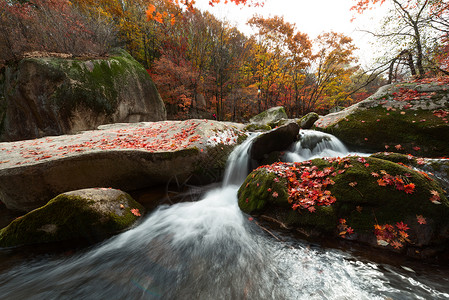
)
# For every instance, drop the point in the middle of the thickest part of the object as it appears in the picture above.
(310, 16)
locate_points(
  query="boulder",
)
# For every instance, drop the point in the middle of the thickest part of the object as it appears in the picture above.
(367, 200)
(438, 169)
(278, 139)
(408, 117)
(270, 117)
(308, 120)
(44, 96)
(89, 214)
(123, 156)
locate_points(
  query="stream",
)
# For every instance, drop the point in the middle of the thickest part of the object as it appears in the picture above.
(208, 249)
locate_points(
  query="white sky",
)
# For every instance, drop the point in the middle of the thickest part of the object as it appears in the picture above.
(310, 16)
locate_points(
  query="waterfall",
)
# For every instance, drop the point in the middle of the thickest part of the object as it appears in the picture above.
(238, 164)
(209, 250)
(314, 144)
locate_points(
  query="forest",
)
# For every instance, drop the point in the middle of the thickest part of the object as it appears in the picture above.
(206, 68)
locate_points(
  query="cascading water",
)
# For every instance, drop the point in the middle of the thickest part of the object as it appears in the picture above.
(237, 166)
(313, 144)
(209, 250)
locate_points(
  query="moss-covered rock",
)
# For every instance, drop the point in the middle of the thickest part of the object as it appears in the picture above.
(307, 121)
(438, 169)
(348, 198)
(89, 214)
(257, 127)
(270, 116)
(51, 95)
(407, 118)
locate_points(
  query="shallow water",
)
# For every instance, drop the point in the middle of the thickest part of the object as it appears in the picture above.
(208, 249)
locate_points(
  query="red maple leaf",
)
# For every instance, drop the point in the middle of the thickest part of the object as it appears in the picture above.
(381, 182)
(421, 220)
(136, 212)
(409, 188)
(402, 226)
(396, 244)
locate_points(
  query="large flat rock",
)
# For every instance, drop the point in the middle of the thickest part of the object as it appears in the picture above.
(122, 156)
(408, 117)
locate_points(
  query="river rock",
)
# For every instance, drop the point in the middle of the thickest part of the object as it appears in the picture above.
(278, 139)
(275, 116)
(88, 214)
(308, 120)
(407, 117)
(367, 200)
(44, 96)
(123, 156)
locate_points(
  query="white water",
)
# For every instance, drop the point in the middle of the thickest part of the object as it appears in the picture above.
(209, 250)
(314, 144)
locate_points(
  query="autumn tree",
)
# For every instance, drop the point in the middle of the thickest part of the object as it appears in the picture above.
(50, 26)
(333, 66)
(411, 27)
(281, 56)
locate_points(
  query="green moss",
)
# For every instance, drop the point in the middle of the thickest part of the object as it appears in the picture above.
(68, 217)
(395, 157)
(257, 127)
(362, 130)
(94, 84)
(383, 204)
(241, 138)
(360, 199)
(323, 219)
(271, 115)
(307, 121)
(257, 192)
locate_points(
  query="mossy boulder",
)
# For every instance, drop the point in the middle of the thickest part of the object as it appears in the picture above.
(270, 117)
(307, 121)
(347, 197)
(89, 214)
(41, 96)
(438, 169)
(257, 127)
(406, 118)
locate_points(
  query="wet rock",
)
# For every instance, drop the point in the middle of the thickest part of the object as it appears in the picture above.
(88, 214)
(278, 139)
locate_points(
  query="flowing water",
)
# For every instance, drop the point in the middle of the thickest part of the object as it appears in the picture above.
(314, 144)
(209, 250)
